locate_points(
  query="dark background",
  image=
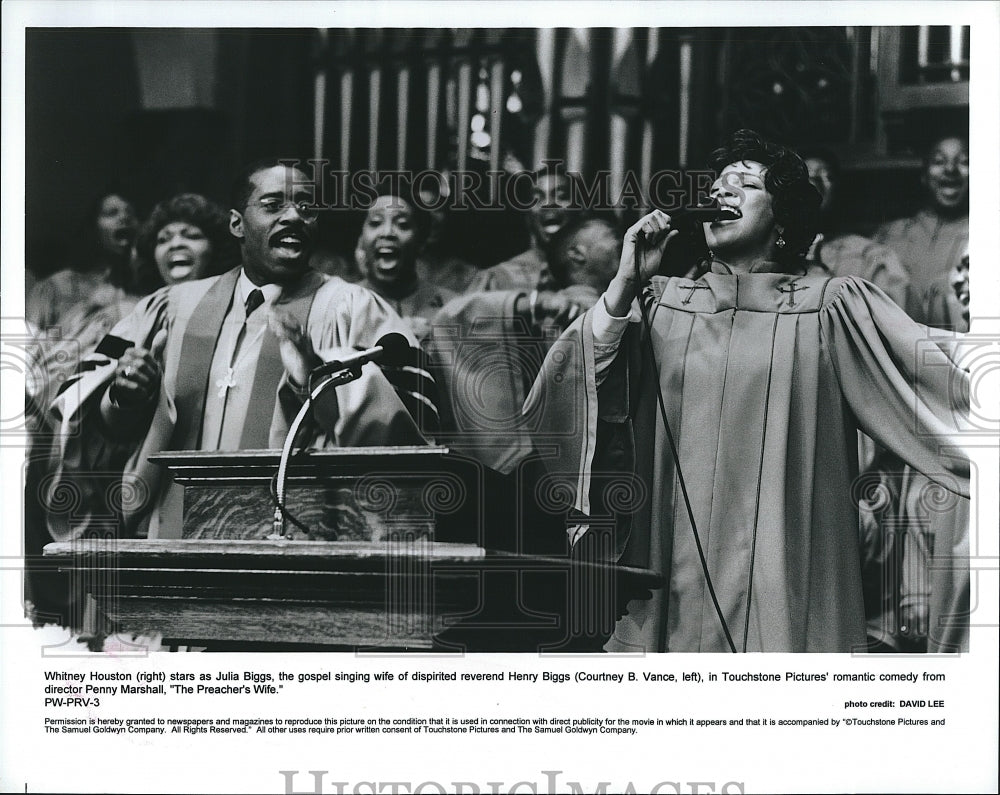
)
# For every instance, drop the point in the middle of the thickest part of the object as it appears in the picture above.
(154, 113)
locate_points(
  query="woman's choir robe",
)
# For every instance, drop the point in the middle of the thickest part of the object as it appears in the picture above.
(766, 379)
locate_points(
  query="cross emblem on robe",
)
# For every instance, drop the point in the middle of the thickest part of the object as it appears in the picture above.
(227, 382)
(790, 290)
(691, 290)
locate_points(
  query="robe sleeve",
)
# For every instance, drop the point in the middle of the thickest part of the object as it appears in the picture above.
(563, 407)
(903, 385)
(479, 351)
(580, 411)
(942, 308)
(883, 269)
(387, 405)
(84, 490)
(82, 328)
(481, 282)
(38, 304)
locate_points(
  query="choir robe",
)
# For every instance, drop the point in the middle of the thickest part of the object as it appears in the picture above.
(485, 359)
(766, 379)
(853, 255)
(419, 307)
(337, 317)
(935, 562)
(929, 246)
(933, 526)
(521, 272)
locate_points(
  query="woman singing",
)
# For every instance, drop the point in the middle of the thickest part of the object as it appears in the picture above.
(727, 413)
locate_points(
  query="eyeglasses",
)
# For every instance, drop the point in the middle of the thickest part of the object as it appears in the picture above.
(277, 206)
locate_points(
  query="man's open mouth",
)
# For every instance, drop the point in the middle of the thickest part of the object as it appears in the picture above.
(551, 223)
(291, 242)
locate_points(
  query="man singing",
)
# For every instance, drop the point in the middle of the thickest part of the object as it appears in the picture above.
(223, 363)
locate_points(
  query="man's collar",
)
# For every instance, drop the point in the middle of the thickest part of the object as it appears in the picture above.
(244, 287)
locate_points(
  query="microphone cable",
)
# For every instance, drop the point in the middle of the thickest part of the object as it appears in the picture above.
(639, 259)
(273, 488)
(297, 425)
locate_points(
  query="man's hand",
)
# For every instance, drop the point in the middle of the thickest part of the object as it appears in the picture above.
(650, 235)
(297, 354)
(555, 308)
(138, 374)
(563, 307)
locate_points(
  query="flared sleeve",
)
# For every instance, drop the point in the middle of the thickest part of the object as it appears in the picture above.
(902, 381)
(563, 409)
(483, 359)
(84, 490)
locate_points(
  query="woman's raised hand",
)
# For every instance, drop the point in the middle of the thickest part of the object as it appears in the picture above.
(649, 237)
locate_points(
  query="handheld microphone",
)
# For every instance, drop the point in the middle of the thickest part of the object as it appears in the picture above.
(690, 219)
(693, 217)
(701, 214)
(392, 349)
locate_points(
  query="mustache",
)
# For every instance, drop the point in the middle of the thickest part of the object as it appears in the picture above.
(298, 230)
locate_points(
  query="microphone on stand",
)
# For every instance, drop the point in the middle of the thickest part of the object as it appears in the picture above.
(392, 350)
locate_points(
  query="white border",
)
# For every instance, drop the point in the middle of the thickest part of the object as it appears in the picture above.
(962, 758)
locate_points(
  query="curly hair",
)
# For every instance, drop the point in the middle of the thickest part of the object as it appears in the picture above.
(794, 199)
(87, 251)
(198, 211)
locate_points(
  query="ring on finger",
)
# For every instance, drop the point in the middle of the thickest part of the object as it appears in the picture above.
(127, 372)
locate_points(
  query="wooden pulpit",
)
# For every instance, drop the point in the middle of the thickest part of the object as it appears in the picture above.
(364, 569)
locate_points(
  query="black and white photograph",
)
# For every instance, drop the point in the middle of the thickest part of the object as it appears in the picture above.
(444, 384)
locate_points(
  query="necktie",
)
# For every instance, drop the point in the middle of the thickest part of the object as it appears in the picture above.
(255, 299)
(228, 381)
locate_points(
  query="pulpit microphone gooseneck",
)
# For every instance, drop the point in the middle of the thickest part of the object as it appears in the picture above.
(392, 349)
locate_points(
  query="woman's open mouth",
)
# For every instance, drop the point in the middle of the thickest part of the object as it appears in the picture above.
(727, 214)
(181, 266)
(386, 259)
(122, 236)
(951, 190)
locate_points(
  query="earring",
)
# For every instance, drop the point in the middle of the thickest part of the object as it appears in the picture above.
(780, 242)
